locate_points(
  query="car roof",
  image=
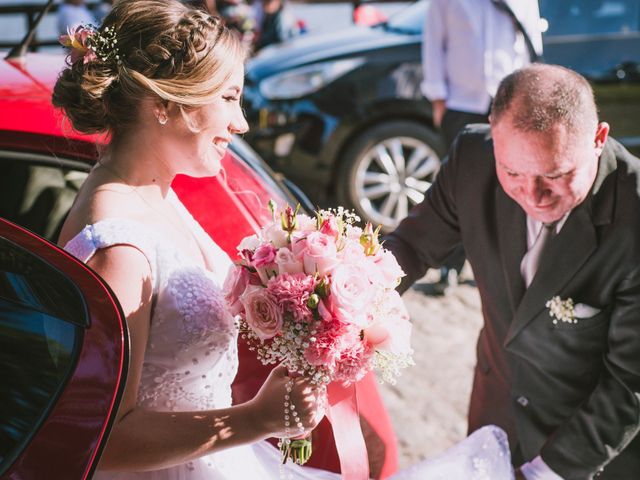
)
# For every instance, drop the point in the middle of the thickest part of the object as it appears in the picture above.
(28, 120)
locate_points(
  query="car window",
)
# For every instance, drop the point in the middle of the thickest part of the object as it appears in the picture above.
(40, 316)
(590, 17)
(37, 191)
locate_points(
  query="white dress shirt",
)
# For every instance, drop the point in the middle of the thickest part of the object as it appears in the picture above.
(469, 46)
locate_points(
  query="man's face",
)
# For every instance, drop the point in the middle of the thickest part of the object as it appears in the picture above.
(547, 173)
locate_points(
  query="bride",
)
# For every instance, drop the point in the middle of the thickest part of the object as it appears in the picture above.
(164, 81)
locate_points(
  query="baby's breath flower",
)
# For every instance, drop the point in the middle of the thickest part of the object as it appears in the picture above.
(561, 310)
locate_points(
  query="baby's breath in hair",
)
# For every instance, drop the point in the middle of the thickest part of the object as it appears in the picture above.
(105, 45)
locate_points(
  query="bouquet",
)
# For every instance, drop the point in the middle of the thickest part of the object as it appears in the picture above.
(318, 295)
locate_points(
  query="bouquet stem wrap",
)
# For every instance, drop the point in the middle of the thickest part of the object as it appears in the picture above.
(345, 420)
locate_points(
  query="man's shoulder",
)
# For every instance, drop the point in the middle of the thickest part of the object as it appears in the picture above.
(474, 140)
(622, 154)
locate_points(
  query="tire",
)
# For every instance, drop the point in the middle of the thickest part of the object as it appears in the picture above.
(387, 169)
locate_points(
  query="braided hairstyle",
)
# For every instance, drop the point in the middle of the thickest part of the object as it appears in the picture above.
(165, 49)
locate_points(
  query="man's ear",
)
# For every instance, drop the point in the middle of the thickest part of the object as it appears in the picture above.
(602, 133)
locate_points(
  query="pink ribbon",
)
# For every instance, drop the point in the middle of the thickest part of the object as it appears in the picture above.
(345, 420)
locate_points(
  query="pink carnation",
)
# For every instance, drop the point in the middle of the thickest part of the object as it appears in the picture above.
(292, 292)
(354, 362)
(332, 337)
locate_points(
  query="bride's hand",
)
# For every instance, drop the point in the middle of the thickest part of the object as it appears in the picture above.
(309, 401)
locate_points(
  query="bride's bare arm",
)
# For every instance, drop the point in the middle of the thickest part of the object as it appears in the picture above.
(146, 440)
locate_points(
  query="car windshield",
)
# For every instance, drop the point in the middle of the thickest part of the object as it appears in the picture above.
(409, 20)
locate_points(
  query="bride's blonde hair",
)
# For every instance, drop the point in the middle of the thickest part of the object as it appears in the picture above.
(165, 50)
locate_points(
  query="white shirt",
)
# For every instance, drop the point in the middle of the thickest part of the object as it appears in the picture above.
(469, 46)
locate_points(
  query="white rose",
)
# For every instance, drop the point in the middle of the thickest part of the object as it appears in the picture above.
(275, 234)
(249, 243)
(287, 262)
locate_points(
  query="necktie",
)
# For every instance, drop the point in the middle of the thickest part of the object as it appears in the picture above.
(531, 260)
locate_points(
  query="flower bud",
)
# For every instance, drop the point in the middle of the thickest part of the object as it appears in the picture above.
(313, 301)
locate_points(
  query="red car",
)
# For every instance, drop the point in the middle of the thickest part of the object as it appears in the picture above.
(63, 338)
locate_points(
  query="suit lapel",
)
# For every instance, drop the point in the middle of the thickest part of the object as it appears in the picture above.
(512, 238)
(563, 257)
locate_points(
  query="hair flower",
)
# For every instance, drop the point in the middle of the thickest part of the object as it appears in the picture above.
(77, 39)
(88, 43)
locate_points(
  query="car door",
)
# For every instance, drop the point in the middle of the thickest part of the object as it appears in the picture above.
(601, 40)
(63, 357)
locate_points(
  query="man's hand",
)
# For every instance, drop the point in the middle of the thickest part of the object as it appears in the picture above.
(439, 107)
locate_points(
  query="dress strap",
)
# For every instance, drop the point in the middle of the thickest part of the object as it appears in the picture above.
(115, 231)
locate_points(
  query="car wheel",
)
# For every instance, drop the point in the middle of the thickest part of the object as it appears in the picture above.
(387, 169)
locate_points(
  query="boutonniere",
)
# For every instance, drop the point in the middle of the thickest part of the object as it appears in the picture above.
(562, 310)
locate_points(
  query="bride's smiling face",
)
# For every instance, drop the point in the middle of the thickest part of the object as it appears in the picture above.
(202, 141)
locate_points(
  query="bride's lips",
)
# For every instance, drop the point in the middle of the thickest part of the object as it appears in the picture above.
(221, 145)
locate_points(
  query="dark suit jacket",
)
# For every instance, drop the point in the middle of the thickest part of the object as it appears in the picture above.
(570, 392)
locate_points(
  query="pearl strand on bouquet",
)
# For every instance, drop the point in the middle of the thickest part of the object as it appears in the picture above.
(290, 413)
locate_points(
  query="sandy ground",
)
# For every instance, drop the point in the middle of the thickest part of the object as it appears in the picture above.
(428, 405)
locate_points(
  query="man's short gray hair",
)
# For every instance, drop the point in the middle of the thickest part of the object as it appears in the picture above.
(538, 97)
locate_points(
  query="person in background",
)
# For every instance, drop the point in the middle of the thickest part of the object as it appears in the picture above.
(102, 9)
(72, 13)
(468, 47)
(240, 17)
(276, 23)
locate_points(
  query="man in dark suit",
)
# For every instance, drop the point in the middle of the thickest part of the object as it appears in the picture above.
(548, 210)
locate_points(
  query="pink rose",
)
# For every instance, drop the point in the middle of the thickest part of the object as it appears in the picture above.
(351, 294)
(262, 313)
(299, 244)
(287, 262)
(387, 270)
(234, 286)
(391, 329)
(264, 255)
(353, 253)
(320, 254)
(264, 261)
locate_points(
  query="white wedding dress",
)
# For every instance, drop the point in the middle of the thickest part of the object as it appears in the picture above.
(191, 361)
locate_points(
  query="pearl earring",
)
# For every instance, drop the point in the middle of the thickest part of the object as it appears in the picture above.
(162, 118)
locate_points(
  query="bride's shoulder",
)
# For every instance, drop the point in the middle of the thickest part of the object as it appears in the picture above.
(96, 204)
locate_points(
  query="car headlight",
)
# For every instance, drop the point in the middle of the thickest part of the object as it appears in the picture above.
(302, 81)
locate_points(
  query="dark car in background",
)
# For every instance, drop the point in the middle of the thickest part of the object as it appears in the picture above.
(343, 116)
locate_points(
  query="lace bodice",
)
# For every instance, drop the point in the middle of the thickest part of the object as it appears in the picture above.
(191, 354)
